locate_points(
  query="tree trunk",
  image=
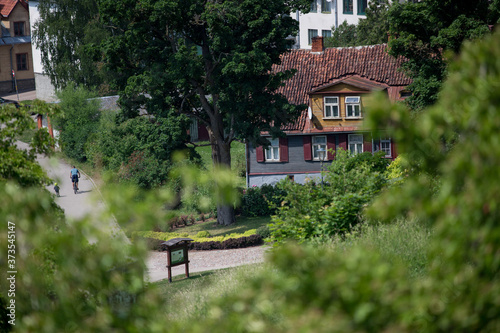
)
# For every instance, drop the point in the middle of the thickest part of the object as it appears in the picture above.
(221, 156)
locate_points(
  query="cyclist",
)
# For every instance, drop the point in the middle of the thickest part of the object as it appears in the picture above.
(74, 175)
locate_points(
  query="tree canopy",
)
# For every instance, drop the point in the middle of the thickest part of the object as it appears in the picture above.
(211, 60)
(370, 31)
(422, 31)
(68, 35)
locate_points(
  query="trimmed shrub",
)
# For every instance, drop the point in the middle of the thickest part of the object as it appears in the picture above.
(203, 234)
(232, 243)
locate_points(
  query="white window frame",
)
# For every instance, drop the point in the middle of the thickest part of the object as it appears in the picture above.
(315, 144)
(331, 106)
(314, 6)
(311, 33)
(351, 105)
(324, 5)
(272, 153)
(326, 33)
(388, 148)
(357, 141)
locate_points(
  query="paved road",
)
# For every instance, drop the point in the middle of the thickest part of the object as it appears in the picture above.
(87, 201)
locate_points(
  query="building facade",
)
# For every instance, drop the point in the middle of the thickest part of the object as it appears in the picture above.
(335, 84)
(325, 15)
(16, 61)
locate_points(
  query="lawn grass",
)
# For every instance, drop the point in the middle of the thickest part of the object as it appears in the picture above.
(242, 224)
(187, 299)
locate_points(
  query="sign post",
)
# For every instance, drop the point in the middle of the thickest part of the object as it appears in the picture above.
(15, 82)
(177, 254)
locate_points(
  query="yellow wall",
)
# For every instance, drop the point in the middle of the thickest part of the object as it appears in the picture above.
(18, 14)
(340, 90)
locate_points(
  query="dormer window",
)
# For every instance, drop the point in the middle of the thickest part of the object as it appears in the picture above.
(353, 107)
(331, 107)
(18, 28)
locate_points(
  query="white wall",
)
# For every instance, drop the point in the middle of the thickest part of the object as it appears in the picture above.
(44, 89)
(324, 21)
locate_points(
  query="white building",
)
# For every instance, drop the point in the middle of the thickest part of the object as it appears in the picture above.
(44, 89)
(324, 15)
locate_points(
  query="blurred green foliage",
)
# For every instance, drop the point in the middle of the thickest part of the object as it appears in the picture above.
(17, 164)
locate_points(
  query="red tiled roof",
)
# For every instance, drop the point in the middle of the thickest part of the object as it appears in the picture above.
(316, 70)
(6, 6)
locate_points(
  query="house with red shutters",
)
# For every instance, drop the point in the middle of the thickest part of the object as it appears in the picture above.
(334, 83)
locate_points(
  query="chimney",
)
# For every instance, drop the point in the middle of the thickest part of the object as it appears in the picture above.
(317, 44)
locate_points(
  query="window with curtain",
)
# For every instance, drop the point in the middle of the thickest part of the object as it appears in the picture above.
(355, 143)
(362, 7)
(273, 151)
(310, 34)
(318, 142)
(348, 5)
(314, 6)
(326, 6)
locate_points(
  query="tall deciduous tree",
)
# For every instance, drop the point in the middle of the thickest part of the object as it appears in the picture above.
(423, 30)
(370, 31)
(68, 35)
(210, 59)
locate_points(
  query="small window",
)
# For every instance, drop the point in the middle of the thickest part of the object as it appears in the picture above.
(318, 142)
(326, 6)
(362, 7)
(405, 93)
(273, 151)
(291, 178)
(314, 7)
(332, 107)
(355, 143)
(311, 34)
(18, 28)
(384, 144)
(326, 33)
(22, 61)
(353, 107)
(348, 6)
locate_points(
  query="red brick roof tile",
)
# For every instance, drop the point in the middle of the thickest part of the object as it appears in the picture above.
(6, 6)
(320, 69)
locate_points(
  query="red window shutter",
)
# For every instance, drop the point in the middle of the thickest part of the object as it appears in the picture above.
(330, 146)
(307, 148)
(260, 153)
(343, 141)
(367, 144)
(283, 149)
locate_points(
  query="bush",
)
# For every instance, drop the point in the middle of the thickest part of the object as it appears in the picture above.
(310, 211)
(264, 231)
(79, 119)
(203, 234)
(262, 201)
(231, 243)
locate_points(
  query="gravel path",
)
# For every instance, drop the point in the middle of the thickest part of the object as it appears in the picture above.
(204, 261)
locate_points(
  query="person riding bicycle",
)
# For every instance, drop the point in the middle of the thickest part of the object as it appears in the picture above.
(74, 175)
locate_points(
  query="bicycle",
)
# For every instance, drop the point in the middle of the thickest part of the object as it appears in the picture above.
(75, 187)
